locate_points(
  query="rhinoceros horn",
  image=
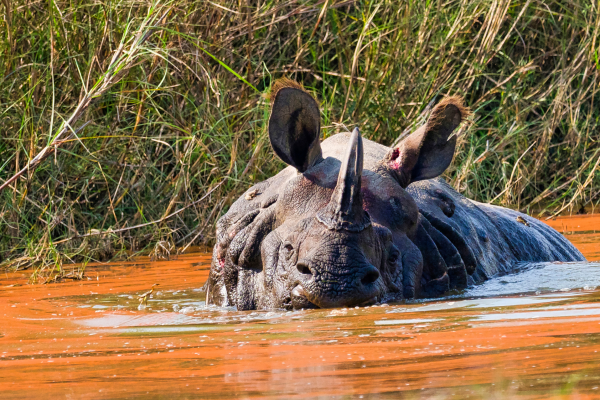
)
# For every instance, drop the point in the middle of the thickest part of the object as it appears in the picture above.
(345, 209)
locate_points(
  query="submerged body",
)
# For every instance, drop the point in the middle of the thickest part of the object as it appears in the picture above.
(499, 237)
(353, 222)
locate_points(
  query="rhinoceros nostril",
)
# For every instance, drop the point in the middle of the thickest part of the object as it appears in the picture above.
(371, 276)
(303, 268)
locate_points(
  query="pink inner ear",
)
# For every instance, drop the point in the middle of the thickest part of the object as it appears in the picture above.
(395, 158)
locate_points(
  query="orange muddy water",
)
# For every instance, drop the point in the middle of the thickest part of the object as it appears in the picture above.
(537, 336)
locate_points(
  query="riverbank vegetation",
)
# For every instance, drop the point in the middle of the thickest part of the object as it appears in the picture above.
(171, 114)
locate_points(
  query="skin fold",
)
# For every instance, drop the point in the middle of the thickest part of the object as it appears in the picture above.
(351, 222)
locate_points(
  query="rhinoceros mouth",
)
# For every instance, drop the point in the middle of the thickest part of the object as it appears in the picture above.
(300, 299)
(370, 302)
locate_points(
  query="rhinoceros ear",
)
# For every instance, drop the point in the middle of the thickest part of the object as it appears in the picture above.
(428, 151)
(294, 125)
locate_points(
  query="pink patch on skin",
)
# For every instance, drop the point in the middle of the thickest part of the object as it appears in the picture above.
(395, 163)
(367, 197)
(220, 261)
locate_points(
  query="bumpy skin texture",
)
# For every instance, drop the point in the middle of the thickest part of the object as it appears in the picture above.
(352, 222)
(493, 234)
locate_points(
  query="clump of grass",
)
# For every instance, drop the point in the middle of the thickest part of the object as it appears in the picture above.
(186, 119)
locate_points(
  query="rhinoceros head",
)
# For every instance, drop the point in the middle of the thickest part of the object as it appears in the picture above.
(336, 228)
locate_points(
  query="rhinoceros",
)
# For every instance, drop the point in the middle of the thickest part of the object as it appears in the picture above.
(352, 222)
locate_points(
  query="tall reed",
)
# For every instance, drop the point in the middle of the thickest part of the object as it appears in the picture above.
(163, 152)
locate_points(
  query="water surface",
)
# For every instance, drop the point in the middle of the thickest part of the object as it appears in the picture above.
(531, 335)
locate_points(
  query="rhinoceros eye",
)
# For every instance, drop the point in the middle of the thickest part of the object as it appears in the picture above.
(394, 255)
(290, 253)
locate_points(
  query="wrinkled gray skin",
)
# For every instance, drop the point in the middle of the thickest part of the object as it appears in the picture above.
(351, 222)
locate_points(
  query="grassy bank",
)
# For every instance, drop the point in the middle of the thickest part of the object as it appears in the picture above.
(179, 131)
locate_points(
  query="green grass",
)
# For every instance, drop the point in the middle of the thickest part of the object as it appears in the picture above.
(184, 118)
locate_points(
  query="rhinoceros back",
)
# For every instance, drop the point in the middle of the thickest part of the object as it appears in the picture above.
(498, 237)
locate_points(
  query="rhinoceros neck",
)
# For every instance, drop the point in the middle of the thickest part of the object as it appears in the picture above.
(335, 147)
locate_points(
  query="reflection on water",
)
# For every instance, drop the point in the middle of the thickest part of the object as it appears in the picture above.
(534, 334)
(542, 277)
